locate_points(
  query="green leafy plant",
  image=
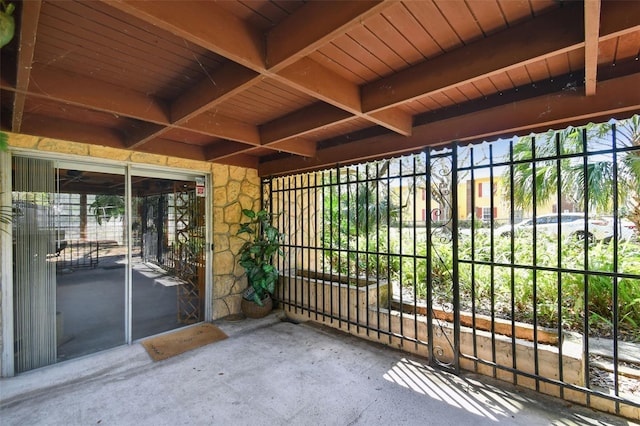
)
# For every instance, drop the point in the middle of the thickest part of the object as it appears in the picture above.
(5, 211)
(108, 206)
(7, 23)
(4, 141)
(256, 255)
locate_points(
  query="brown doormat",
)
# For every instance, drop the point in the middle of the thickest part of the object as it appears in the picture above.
(171, 344)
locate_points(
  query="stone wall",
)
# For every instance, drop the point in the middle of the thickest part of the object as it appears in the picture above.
(234, 188)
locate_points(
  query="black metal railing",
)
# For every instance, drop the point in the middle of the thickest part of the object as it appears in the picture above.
(434, 250)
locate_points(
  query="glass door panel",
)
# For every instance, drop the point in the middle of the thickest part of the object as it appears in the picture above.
(77, 289)
(69, 244)
(91, 254)
(168, 255)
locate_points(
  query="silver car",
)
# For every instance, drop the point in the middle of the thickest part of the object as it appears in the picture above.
(571, 225)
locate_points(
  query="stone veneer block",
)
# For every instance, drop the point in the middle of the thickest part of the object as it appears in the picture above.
(220, 196)
(110, 153)
(63, 147)
(223, 263)
(220, 175)
(143, 157)
(22, 141)
(233, 191)
(184, 163)
(237, 173)
(233, 214)
(250, 189)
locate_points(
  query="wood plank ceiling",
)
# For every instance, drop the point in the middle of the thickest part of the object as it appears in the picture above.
(287, 86)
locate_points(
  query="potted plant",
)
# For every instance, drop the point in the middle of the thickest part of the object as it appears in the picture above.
(256, 257)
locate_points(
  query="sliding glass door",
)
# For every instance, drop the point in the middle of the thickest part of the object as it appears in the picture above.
(168, 254)
(86, 280)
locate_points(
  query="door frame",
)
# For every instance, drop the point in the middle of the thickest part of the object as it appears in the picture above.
(130, 169)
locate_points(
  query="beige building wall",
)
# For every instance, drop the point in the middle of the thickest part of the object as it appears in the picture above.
(234, 189)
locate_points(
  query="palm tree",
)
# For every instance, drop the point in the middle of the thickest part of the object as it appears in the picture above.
(560, 155)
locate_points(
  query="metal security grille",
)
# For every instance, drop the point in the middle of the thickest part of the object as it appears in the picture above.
(519, 258)
(189, 253)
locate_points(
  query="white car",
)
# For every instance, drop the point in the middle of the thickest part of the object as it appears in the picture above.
(626, 229)
(571, 225)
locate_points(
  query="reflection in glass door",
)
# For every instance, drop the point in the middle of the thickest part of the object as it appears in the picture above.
(69, 260)
(168, 255)
(77, 289)
(90, 260)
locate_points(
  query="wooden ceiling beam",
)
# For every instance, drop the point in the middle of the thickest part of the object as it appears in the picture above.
(222, 149)
(45, 126)
(314, 25)
(211, 27)
(241, 160)
(321, 83)
(618, 18)
(298, 146)
(203, 23)
(591, 38)
(222, 84)
(394, 119)
(28, 29)
(215, 124)
(499, 53)
(82, 91)
(494, 54)
(90, 93)
(302, 121)
(143, 133)
(540, 113)
(171, 148)
(315, 80)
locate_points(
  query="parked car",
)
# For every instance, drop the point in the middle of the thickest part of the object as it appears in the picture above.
(571, 225)
(627, 230)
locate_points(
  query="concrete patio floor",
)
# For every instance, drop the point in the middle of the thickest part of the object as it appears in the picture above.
(273, 372)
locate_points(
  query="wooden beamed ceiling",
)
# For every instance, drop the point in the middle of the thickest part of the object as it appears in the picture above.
(288, 86)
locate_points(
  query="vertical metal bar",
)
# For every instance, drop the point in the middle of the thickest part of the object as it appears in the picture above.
(309, 229)
(378, 215)
(415, 254)
(429, 254)
(349, 251)
(324, 235)
(389, 284)
(341, 250)
(615, 278)
(298, 221)
(128, 305)
(535, 262)
(586, 266)
(316, 228)
(357, 248)
(290, 243)
(298, 226)
(474, 330)
(367, 250)
(512, 218)
(493, 259)
(456, 265)
(559, 260)
(339, 243)
(400, 255)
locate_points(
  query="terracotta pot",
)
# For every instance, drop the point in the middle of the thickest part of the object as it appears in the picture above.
(253, 310)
